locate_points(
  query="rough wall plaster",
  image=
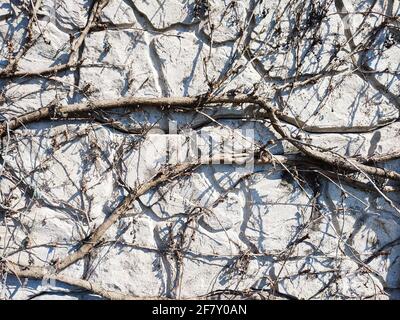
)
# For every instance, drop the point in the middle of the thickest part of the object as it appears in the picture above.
(262, 234)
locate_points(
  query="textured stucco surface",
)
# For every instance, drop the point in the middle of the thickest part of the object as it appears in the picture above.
(257, 232)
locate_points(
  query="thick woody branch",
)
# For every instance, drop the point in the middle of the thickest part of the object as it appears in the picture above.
(41, 273)
(163, 176)
(329, 158)
(86, 109)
